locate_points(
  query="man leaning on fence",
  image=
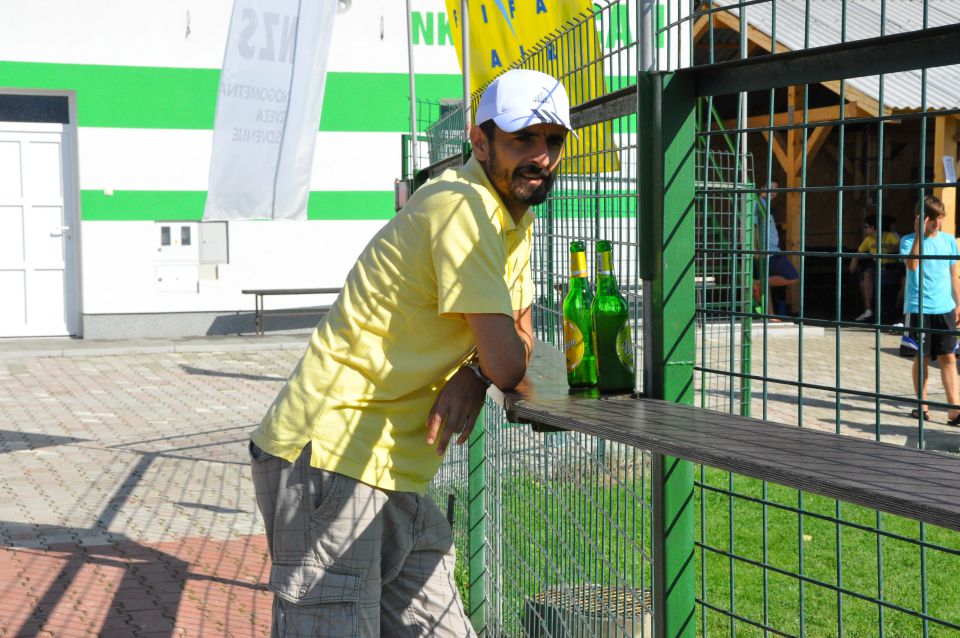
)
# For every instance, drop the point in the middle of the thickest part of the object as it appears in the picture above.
(436, 308)
(936, 306)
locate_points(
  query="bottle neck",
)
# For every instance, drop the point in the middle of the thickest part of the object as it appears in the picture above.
(578, 270)
(606, 281)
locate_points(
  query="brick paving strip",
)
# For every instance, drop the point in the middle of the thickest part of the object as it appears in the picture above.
(126, 507)
(190, 587)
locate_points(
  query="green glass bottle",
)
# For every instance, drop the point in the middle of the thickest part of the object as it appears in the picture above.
(612, 337)
(577, 325)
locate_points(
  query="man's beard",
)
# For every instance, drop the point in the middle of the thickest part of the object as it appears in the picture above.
(518, 191)
(524, 193)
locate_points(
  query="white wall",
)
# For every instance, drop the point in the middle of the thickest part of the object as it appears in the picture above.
(282, 254)
(371, 36)
(166, 159)
(120, 258)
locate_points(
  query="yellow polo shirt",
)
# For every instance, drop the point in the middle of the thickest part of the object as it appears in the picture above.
(891, 246)
(362, 391)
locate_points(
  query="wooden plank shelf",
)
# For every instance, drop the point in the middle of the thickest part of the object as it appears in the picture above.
(908, 482)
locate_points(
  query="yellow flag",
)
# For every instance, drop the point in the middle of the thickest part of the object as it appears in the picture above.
(503, 31)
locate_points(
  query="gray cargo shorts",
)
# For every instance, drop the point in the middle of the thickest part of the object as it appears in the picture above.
(353, 560)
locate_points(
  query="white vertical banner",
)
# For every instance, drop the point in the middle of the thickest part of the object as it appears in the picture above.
(268, 109)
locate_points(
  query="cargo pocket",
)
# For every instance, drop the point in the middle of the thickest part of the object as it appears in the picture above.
(315, 601)
(257, 453)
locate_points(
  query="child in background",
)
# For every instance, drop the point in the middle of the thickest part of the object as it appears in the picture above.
(889, 244)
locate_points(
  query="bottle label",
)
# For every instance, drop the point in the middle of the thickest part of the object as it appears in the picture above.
(624, 346)
(578, 264)
(605, 263)
(572, 344)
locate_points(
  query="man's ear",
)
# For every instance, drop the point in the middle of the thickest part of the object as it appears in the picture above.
(480, 143)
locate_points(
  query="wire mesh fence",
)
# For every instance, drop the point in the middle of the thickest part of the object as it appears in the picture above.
(827, 162)
(788, 172)
(725, 228)
(445, 134)
(829, 157)
(566, 531)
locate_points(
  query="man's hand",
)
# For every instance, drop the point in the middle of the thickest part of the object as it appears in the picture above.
(504, 346)
(456, 409)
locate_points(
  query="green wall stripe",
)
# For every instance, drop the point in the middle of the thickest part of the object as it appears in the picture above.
(142, 205)
(175, 98)
(379, 101)
(188, 205)
(353, 205)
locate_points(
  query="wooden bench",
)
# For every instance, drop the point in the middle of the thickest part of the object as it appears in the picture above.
(920, 485)
(260, 293)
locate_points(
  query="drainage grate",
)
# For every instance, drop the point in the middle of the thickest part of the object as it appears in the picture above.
(588, 610)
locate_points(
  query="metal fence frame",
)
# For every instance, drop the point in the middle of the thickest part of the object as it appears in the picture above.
(687, 510)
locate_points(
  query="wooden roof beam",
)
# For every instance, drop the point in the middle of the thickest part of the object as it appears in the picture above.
(818, 114)
(868, 103)
(702, 25)
(778, 151)
(754, 35)
(815, 143)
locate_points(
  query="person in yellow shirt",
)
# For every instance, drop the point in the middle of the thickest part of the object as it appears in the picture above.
(866, 267)
(436, 309)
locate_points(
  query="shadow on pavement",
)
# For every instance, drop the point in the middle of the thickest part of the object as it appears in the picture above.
(17, 440)
(896, 427)
(230, 375)
(67, 580)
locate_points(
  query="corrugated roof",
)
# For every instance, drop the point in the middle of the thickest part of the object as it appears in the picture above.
(828, 25)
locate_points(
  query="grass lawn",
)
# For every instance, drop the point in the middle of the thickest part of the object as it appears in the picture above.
(590, 530)
(850, 556)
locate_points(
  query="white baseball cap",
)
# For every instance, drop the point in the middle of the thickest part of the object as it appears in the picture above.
(520, 98)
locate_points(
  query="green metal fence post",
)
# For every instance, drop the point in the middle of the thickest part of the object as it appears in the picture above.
(477, 524)
(405, 155)
(668, 102)
(746, 304)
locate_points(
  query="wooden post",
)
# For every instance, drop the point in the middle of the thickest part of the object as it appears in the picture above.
(792, 169)
(792, 161)
(945, 145)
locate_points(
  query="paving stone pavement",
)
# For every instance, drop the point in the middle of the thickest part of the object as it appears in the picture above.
(126, 507)
(842, 371)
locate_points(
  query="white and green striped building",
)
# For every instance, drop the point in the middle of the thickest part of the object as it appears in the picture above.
(106, 118)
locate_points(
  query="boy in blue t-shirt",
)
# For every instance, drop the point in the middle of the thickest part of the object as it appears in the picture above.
(936, 312)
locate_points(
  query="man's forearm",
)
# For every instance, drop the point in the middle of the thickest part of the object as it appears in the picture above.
(527, 340)
(523, 322)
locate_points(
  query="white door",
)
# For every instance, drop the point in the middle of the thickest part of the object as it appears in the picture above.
(37, 252)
